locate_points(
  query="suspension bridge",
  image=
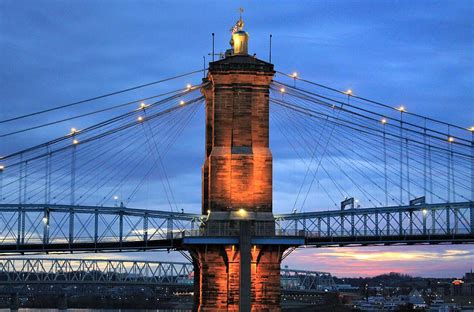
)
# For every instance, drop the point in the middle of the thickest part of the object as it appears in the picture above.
(362, 172)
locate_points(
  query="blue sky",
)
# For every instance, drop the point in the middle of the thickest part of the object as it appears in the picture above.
(420, 54)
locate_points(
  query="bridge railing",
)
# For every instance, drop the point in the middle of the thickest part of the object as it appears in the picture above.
(430, 220)
(60, 227)
(29, 224)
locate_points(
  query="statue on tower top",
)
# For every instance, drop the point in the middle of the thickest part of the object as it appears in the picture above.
(239, 39)
(239, 25)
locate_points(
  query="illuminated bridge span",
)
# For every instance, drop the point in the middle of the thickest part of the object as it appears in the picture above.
(361, 172)
(22, 271)
(33, 228)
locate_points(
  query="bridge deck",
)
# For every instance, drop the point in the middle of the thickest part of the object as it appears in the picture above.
(56, 228)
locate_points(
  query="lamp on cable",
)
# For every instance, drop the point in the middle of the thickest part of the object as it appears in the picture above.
(402, 109)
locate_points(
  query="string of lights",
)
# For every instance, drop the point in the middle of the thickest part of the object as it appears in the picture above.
(103, 96)
(350, 93)
(365, 150)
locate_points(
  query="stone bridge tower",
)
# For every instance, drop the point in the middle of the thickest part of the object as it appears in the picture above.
(237, 256)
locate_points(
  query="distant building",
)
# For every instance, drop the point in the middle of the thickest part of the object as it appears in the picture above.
(416, 299)
(463, 287)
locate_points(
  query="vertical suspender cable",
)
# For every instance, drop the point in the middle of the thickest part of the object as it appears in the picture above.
(385, 165)
(401, 156)
(424, 159)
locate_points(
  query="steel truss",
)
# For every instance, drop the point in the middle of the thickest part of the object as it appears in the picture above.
(30, 227)
(427, 223)
(22, 271)
(48, 228)
(302, 280)
(83, 271)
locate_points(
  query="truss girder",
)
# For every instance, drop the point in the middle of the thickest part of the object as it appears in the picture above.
(429, 223)
(63, 227)
(125, 272)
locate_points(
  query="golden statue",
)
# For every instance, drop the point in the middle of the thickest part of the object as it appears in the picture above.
(239, 39)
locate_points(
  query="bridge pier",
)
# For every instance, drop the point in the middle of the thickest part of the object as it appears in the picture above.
(237, 277)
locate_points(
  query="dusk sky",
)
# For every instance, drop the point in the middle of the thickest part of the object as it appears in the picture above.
(416, 53)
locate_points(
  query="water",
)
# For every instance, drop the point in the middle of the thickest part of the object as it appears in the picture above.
(92, 310)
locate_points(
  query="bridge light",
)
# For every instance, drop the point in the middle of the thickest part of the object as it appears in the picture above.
(143, 105)
(450, 139)
(189, 86)
(45, 220)
(75, 141)
(348, 92)
(115, 197)
(282, 90)
(383, 121)
(208, 211)
(424, 211)
(294, 75)
(402, 109)
(140, 118)
(242, 212)
(181, 102)
(471, 129)
(2, 167)
(73, 130)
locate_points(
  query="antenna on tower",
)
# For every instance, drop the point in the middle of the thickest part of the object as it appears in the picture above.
(204, 66)
(213, 47)
(270, 56)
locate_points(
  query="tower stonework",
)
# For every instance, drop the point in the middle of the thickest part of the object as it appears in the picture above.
(232, 273)
(237, 173)
(236, 255)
